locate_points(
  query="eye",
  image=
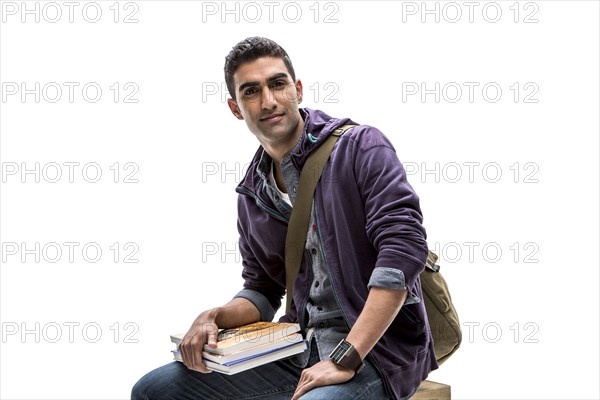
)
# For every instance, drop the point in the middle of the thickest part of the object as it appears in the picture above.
(250, 91)
(279, 84)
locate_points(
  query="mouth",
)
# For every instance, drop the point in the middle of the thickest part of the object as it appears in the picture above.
(272, 117)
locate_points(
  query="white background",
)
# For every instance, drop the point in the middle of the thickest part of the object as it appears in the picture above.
(532, 307)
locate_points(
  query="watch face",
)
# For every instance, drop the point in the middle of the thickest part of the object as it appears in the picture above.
(346, 356)
(340, 351)
(345, 345)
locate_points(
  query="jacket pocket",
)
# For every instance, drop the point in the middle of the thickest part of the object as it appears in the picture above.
(412, 318)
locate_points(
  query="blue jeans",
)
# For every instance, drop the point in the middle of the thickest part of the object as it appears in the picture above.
(276, 380)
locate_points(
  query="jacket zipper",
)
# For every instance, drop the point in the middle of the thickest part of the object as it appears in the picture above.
(262, 204)
(274, 213)
(301, 318)
(335, 293)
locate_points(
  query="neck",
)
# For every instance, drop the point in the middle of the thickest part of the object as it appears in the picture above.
(279, 177)
(277, 151)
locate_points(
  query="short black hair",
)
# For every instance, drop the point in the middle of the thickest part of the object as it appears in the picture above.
(250, 49)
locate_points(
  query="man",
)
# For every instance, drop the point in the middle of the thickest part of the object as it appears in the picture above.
(359, 284)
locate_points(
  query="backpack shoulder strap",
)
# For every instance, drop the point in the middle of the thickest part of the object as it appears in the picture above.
(295, 239)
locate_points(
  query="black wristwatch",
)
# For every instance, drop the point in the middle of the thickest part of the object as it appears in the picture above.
(345, 355)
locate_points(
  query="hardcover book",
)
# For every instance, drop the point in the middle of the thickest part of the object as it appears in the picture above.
(249, 346)
(246, 336)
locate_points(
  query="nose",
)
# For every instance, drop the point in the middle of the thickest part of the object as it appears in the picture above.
(267, 98)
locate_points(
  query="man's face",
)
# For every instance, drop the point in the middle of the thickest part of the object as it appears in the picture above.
(267, 99)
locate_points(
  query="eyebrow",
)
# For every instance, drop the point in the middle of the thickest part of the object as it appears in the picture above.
(269, 80)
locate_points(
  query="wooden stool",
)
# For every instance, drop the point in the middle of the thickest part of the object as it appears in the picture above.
(432, 391)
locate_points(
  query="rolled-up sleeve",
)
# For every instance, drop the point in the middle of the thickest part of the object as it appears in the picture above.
(391, 278)
(260, 302)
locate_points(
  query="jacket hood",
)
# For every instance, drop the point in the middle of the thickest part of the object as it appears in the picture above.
(318, 126)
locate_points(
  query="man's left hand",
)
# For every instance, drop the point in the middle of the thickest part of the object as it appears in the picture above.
(323, 373)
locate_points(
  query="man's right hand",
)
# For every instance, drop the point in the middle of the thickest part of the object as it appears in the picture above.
(203, 331)
(205, 327)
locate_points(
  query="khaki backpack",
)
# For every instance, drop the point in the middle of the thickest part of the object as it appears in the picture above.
(442, 316)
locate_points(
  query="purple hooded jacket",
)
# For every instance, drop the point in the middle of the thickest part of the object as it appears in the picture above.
(369, 217)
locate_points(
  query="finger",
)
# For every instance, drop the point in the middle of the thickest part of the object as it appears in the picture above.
(303, 389)
(189, 357)
(305, 384)
(185, 358)
(197, 355)
(194, 355)
(297, 394)
(201, 368)
(212, 336)
(301, 381)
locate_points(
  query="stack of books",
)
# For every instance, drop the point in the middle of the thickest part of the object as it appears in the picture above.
(249, 346)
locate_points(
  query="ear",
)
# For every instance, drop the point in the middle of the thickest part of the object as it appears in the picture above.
(299, 90)
(235, 110)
